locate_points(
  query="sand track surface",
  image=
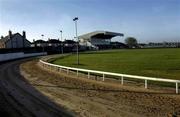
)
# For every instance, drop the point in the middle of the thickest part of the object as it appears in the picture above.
(89, 98)
(18, 98)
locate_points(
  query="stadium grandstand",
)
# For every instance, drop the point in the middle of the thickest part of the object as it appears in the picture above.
(98, 39)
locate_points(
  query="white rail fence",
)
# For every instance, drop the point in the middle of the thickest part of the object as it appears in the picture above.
(122, 76)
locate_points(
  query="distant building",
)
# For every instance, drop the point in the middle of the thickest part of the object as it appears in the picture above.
(14, 41)
(118, 45)
(39, 43)
(54, 42)
(97, 39)
(69, 43)
(164, 44)
(49, 43)
(142, 45)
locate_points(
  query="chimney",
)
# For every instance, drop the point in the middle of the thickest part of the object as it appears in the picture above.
(2, 37)
(24, 34)
(10, 37)
(24, 37)
(10, 33)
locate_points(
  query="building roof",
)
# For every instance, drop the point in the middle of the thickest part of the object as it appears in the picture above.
(6, 38)
(69, 42)
(39, 41)
(100, 35)
(53, 41)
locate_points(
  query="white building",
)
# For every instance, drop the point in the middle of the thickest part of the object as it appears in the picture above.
(97, 39)
(14, 41)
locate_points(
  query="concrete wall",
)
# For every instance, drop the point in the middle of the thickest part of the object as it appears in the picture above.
(11, 56)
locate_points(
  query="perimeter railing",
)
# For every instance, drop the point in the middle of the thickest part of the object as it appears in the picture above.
(104, 74)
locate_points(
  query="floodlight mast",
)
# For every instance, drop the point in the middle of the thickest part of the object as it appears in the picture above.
(61, 42)
(75, 20)
(42, 43)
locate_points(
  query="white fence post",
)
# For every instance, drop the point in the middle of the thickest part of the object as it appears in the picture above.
(145, 85)
(67, 71)
(103, 76)
(176, 87)
(88, 75)
(122, 80)
(77, 73)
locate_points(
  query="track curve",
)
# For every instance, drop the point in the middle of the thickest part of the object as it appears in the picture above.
(21, 99)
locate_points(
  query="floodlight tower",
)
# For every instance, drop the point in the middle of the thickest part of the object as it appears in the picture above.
(75, 20)
(42, 43)
(61, 42)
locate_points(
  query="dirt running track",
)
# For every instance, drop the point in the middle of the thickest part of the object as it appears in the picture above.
(19, 99)
(89, 98)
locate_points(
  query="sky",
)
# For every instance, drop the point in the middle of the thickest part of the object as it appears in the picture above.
(146, 20)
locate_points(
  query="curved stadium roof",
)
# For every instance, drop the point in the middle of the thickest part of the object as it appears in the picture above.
(100, 35)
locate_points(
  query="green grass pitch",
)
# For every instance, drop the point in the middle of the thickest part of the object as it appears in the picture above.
(162, 63)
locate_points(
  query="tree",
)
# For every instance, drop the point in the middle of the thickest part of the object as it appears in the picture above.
(131, 42)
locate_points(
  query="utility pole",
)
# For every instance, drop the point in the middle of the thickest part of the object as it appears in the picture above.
(75, 20)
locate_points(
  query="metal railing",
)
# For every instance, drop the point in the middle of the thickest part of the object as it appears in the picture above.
(89, 72)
